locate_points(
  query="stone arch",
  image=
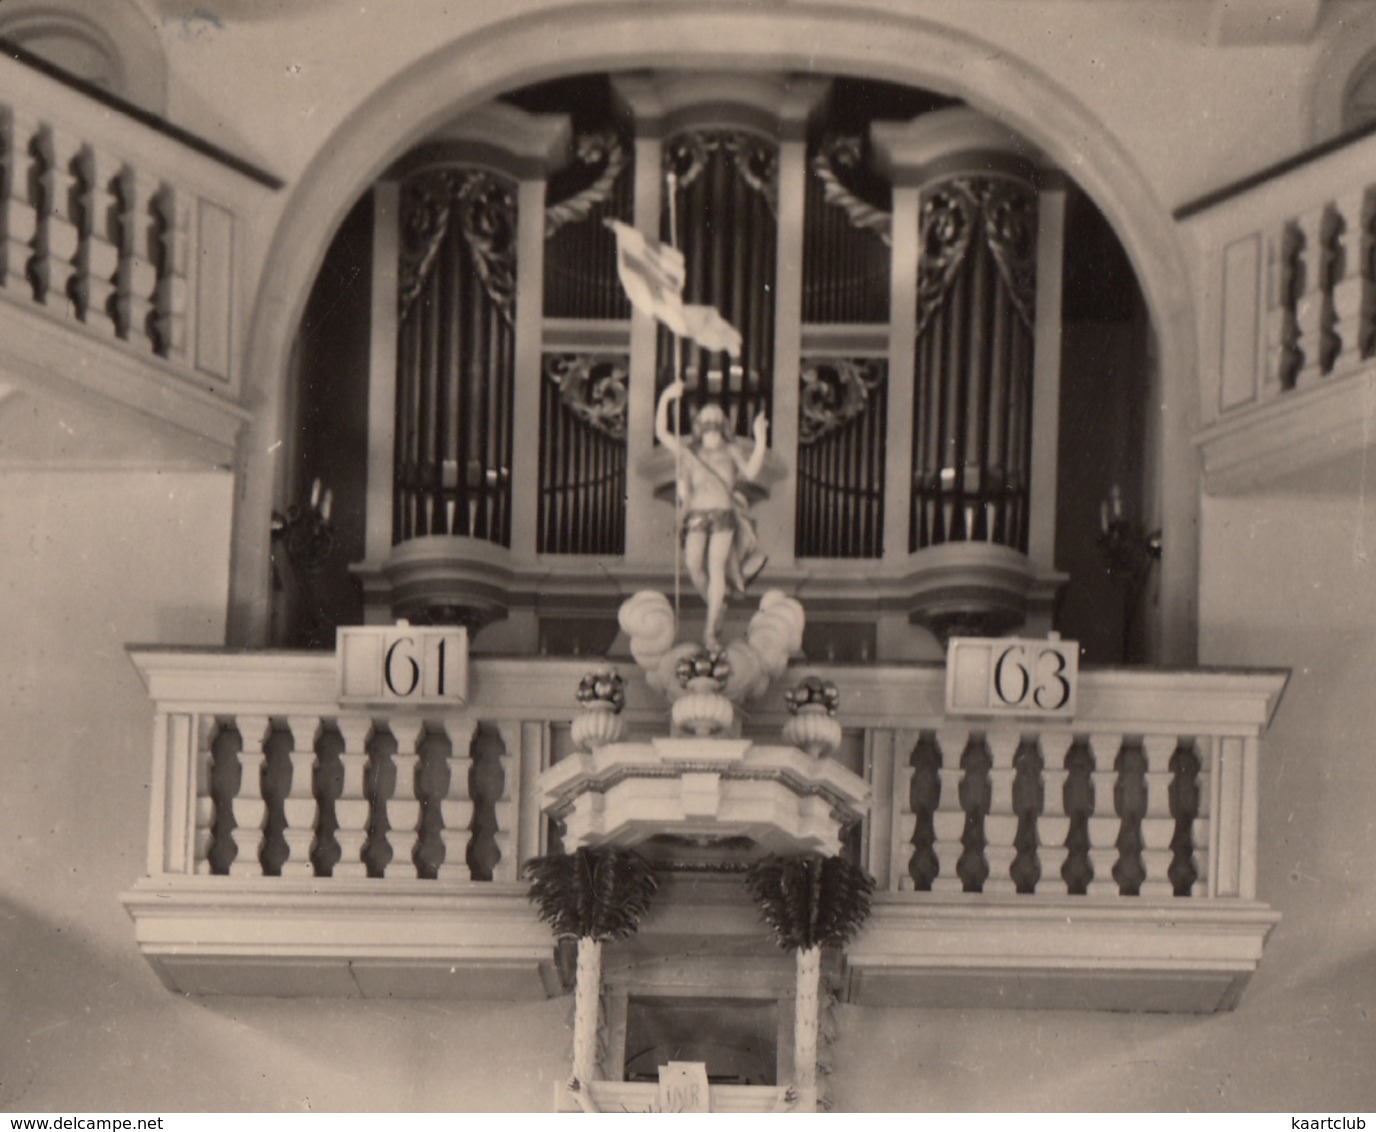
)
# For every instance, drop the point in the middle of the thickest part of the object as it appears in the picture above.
(813, 38)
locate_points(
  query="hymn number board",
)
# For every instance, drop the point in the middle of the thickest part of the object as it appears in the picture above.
(1012, 676)
(403, 664)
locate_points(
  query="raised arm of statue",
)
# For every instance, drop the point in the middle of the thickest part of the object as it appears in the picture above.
(751, 468)
(663, 433)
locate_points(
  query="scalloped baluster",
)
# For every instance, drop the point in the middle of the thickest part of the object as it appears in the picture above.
(351, 807)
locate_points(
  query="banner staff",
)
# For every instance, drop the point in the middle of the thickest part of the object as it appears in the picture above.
(671, 185)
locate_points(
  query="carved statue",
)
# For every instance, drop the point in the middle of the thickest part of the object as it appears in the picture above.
(718, 532)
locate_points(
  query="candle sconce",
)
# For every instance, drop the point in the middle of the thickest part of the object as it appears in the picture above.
(304, 534)
(1129, 552)
(1128, 549)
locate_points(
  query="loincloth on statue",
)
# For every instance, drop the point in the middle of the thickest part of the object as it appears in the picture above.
(711, 521)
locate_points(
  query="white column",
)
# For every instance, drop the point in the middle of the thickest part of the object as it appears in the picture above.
(382, 371)
(788, 330)
(902, 344)
(644, 538)
(1046, 379)
(530, 308)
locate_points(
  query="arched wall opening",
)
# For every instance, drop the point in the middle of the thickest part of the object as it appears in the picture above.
(910, 52)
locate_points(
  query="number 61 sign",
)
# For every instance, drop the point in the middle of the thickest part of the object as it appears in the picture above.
(1011, 676)
(403, 664)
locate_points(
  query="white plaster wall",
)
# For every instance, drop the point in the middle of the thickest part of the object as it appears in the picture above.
(88, 563)
(1197, 114)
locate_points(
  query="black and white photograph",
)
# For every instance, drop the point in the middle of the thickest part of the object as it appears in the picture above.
(701, 556)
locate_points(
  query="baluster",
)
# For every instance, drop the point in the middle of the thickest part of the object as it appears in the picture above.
(948, 822)
(1130, 804)
(1103, 822)
(486, 784)
(1029, 798)
(206, 731)
(60, 232)
(1078, 803)
(380, 784)
(327, 784)
(21, 131)
(225, 777)
(975, 793)
(250, 806)
(1186, 805)
(1206, 747)
(1053, 828)
(433, 779)
(1001, 825)
(1158, 826)
(298, 803)
(1282, 332)
(173, 291)
(1311, 303)
(1350, 278)
(507, 870)
(879, 827)
(100, 233)
(925, 791)
(276, 784)
(351, 806)
(404, 808)
(136, 281)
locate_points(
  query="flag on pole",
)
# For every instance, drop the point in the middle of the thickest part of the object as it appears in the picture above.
(709, 330)
(653, 275)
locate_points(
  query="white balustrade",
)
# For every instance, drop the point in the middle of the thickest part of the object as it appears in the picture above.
(137, 243)
(1140, 809)
(1286, 316)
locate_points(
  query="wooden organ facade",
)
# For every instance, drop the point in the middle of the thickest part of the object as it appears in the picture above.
(896, 286)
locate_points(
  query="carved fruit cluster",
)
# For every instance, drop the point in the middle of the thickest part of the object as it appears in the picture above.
(813, 690)
(603, 687)
(702, 665)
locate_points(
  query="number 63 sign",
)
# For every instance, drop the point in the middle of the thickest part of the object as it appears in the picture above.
(1011, 676)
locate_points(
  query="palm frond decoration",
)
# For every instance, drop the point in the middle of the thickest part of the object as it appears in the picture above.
(596, 894)
(810, 901)
(591, 895)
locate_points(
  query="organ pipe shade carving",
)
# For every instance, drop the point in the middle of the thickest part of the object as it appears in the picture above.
(583, 454)
(842, 424)
(726, 187)
(972, 410)
(845, 241)
(455, 356)
(580, 252)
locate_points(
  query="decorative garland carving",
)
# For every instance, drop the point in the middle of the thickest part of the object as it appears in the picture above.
(950, 214)
(486, 212)
(838, 156)
(756, 159)
(593, 387)
(424, 223)
(487, 218)
(945, 228)
(834, 391)
(601, 148)
(1010, 227)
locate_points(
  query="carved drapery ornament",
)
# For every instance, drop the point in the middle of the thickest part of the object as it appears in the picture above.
(835, 164)
(593, 387)
(602, 148)
(756, 159)
(486, 212)
(833, 392)
(951, 215)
